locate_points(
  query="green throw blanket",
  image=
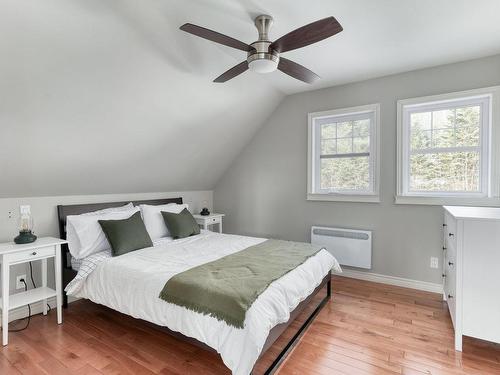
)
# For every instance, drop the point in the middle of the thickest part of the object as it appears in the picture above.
(227, 287)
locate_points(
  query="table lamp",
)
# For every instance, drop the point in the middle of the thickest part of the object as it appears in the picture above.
(25, 226)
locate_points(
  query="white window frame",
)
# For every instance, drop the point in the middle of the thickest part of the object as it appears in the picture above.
(314, 150)
(488, 99)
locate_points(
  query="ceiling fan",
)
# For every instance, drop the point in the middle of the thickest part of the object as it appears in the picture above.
(263, 56)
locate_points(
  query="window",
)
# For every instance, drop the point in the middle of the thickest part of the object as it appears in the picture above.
(445, 148)
(343, 154)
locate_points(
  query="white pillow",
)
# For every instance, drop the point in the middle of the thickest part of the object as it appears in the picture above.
(72, 237)
(153, 220)
(91, 238)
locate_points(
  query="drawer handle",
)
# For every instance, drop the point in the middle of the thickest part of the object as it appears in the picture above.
(444, 247)
(451, 263)
(33, 253)
(443, 275)
(450, 234)
(450, 296)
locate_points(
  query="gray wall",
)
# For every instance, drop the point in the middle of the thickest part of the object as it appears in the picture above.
(44, 211)
(264, 191)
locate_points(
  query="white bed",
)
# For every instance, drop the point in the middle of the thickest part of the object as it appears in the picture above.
(132, 282)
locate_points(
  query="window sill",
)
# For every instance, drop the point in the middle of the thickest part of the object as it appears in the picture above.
(343, 198)
(447, 201)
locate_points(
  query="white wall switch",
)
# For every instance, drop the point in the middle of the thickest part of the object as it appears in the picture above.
(434, 262)
(25, 209)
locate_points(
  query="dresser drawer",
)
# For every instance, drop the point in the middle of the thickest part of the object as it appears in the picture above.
(450, 230)
(450, 283)
(450, 272)
(451, 252)
(451, 300)
(450, 290)
(450, 277)
(33, 254)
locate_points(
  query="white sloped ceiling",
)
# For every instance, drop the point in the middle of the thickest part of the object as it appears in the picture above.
(102, 96)
(110, 97)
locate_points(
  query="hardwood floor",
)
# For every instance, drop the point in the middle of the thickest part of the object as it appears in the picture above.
(366, 328)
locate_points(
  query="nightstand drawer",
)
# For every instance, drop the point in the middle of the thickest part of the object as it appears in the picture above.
(213, 220)
(32, 254)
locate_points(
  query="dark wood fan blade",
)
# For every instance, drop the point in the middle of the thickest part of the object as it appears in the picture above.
(308, 34)
(233, 72)
(214, 36)
(297, 71)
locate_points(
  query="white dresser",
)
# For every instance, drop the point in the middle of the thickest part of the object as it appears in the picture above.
(471, 271)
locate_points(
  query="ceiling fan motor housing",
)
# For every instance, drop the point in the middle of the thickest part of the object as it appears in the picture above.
(261, 59)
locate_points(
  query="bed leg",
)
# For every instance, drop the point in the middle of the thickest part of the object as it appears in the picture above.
(329, 288)
(65, 300)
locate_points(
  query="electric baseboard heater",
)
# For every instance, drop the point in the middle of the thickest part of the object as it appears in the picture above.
(351, 247)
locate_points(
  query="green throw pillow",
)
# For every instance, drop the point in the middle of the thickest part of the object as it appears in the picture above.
(181, 225)
(126, 235)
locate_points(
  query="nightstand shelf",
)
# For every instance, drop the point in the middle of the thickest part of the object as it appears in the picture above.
(28, 297)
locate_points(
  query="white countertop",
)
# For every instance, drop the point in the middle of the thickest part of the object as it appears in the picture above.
(482, 213)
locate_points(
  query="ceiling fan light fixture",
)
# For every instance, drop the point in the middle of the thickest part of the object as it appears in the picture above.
(263, 65)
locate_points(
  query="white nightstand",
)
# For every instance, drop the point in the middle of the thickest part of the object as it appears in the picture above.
(41, 249)
(212, 219)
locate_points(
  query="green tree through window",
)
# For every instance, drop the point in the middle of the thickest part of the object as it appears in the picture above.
(445, 150)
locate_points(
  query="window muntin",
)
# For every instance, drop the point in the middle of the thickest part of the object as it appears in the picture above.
(344, 152)
(446, 148)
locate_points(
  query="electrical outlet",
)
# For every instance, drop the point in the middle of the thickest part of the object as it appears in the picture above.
(19, 283)
(434, 262)
(25, 209)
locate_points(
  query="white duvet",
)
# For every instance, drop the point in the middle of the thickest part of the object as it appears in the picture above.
(132, 282)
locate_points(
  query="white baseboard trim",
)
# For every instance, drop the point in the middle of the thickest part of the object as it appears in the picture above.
(392, 280)
(36, 308)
